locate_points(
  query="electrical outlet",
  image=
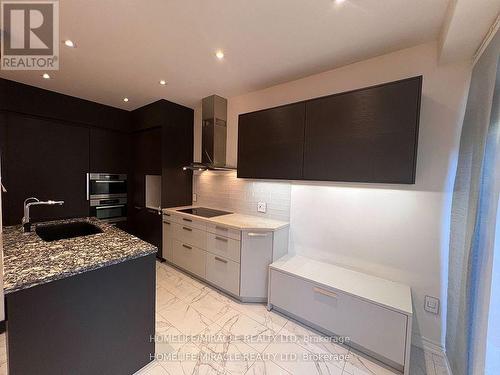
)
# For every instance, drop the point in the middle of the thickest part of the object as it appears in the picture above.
(262, 207)
(195, 197)
(431, 304)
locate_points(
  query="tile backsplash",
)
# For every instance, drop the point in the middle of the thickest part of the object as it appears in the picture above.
(223, 190)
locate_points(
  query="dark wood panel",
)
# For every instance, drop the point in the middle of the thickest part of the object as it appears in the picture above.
(177, 152)
(47, 160)
(98, 322)
(109, 151)
(21, 98)
(368, 135)
(270, 143)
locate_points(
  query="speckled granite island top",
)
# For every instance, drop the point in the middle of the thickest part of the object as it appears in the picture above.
(30, 261)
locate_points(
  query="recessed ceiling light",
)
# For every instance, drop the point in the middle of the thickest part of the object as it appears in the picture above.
(339, 1)
(163, 82)
(69, 43)
(219, 54)
(46, 75)
(125, 99)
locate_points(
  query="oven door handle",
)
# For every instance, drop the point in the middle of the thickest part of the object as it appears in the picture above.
(115, 206)
(108, 182)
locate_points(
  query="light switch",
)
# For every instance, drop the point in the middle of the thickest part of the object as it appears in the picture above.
(195, 197)
(262, 207)
(431, 304)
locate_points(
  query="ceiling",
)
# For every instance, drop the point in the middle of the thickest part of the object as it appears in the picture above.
(124, 47)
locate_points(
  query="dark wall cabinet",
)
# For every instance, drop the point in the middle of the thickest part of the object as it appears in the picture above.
(366, 135)
(271, 143)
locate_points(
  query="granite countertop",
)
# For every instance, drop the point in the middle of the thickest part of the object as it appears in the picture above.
(234, 220)
(30, 261)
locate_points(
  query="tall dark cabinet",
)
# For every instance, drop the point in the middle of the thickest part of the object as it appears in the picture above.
(162, 143)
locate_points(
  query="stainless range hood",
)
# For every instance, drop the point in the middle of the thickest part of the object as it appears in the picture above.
(213, 135)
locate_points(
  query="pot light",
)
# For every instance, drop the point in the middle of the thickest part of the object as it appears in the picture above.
(162, 82)
(125, 100)
(46, 75)
(219, 54)
(338, 2)
(69, 43)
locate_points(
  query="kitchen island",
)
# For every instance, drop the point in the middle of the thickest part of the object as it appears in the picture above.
(82, 305)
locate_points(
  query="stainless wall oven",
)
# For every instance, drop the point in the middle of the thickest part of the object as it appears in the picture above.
(111, 210)
(107, 194)
(106, 185)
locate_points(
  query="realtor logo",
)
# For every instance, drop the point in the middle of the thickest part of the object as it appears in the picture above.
(30, 35)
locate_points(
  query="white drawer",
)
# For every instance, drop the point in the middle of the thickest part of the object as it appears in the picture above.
(189, 235)
(368, 325)
(168, 240)
(190, 258)
(221, 230)
(223, 273)
(184, 220)
(224, 246)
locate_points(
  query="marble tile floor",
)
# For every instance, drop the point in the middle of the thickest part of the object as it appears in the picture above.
(201, 331)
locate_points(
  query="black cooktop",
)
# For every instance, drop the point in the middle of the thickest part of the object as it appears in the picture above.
(204, 212)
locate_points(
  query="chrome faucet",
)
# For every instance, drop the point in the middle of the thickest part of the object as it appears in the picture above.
(34, 202)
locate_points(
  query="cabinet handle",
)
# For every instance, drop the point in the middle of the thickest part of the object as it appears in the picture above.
(220, 259)
(221, 228)
(252, 234)
(189, 220)
(221, 239)
(166, 214)
(325, 292)
(188, 229)
(166, 222)
(187, 247)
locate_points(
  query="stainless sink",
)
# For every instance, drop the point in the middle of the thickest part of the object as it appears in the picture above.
(54, 232)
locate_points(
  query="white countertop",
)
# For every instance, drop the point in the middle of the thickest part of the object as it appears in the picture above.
(235, 220)
(383, 292)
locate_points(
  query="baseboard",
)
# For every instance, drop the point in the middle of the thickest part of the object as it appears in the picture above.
(433, 348)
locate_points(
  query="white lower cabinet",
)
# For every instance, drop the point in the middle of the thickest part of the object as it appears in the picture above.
(190, 258)
(233, 260)
(374, 314)
(375, 328)
(224, 273)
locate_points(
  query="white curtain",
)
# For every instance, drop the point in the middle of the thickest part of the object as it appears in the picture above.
(473, 224)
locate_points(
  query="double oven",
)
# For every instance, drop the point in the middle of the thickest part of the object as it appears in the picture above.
(107, 194)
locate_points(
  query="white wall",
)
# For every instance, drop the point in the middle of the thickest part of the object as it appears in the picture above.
(399, 232)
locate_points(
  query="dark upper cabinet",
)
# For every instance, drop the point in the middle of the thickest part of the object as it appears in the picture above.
(270, 143)
(47, 160)
(367, 135)
(109, 151)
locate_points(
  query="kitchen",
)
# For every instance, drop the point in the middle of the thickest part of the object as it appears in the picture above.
(199, 210)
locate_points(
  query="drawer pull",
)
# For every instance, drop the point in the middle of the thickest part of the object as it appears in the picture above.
(221, 239)
(221, 228)
(220, 259)
(189, 220)
(188, 229)
(166, 214)
(166, 222)
(252, 234)
(325, 292)
(187, 247)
